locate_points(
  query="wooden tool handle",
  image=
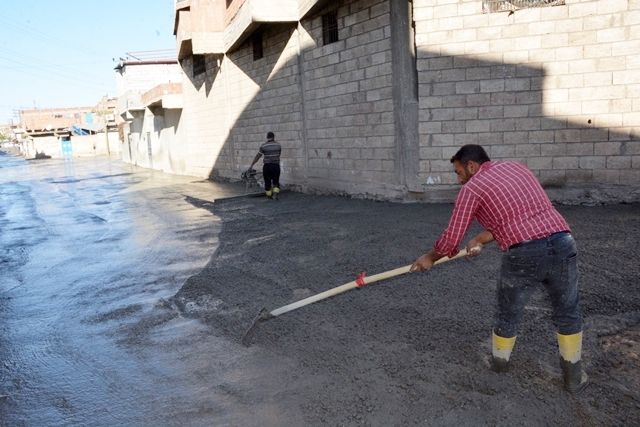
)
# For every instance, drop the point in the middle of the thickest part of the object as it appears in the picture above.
(354, 284)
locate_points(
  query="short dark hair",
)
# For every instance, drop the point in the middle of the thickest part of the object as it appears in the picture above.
(270, 135)
(470, 152)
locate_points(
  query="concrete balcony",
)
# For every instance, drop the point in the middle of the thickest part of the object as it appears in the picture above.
(128, 103)
(198, 29)
(166, 96)
(253, 13)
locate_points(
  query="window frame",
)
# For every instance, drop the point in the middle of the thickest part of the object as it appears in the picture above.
(330, 28)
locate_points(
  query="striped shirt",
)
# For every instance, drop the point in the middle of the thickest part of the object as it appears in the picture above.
(507, 200)
(271, 151)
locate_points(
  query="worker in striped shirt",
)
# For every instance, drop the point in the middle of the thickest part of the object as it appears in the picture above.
(271, 165)
(509, 202)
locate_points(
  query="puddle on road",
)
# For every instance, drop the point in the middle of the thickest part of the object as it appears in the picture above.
(90, 253)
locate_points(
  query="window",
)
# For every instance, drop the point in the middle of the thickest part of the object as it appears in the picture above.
(489, 6)
(330, 27)
(199, 65)
(256, 42)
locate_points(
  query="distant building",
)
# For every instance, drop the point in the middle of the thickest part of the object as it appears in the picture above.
(149, 105)
(54, 121)
(68, 132)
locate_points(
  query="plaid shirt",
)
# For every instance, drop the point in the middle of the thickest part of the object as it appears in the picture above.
(507, 200)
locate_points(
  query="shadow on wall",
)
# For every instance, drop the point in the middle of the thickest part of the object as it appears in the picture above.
(462, 100)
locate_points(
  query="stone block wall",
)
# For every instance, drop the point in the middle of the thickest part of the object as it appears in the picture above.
(348, 100)
(557, 88)
(264, 96)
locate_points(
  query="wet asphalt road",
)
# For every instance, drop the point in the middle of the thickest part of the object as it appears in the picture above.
(90, 250)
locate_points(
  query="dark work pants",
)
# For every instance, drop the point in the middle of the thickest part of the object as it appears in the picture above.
(550, 262)
(271, 174)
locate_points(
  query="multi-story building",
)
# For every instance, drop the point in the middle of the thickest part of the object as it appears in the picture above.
(149, 106)
(372, 97)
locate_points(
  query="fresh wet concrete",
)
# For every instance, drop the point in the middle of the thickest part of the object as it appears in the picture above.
(412, 350)
(125, 293)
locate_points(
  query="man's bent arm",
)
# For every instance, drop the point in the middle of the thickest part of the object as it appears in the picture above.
(255, 159)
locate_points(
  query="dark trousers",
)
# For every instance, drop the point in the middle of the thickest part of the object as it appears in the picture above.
(550, 262)
(271, 174)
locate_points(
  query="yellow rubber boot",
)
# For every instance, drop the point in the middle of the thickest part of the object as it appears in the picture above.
(501, 352)
(268, 193)
(570, 346)
(276, 190)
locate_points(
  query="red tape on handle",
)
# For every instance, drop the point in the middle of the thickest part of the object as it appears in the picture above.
(360, 279)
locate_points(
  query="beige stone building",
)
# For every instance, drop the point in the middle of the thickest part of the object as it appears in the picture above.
(370, 98)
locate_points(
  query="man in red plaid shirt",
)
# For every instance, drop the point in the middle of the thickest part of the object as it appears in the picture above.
(511, 205)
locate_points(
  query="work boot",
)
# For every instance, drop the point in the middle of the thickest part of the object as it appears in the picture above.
(570, 346)
(499, 364)
(575, 379)
(501, 352)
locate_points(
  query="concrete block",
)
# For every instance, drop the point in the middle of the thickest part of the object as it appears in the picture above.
(581, 9)
(441, 114)
(431, 153)
(531, 97)
(442, 140)
(612, 6)
(491, 112)
(465, 138)
(503, 98)
(553, 149)
(581, 38)
(541, 137)
(492, 85)
(611, 35)
(627, 176)
(606, 176)
(579, 175)
(631, 119)
(498, 125)
(552, 178)
(623, 48)
(477, 73)
(502, 151)
(555, 40)
(478, 99)
(467, 87)
(528, 150)
(563, 163)
(580, 149)
(539, 163)
(452, 101)
(515, 137)
(516, 111)
(598, 79)
(454, 126)
(468, 113)
(527, 123)
(475, 126)
(599, 22)
(593, 162)
(445, 11)
(625, 77)
(618, 162)
(597, 51)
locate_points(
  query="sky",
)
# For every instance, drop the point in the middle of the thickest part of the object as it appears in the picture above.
(56, 54)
